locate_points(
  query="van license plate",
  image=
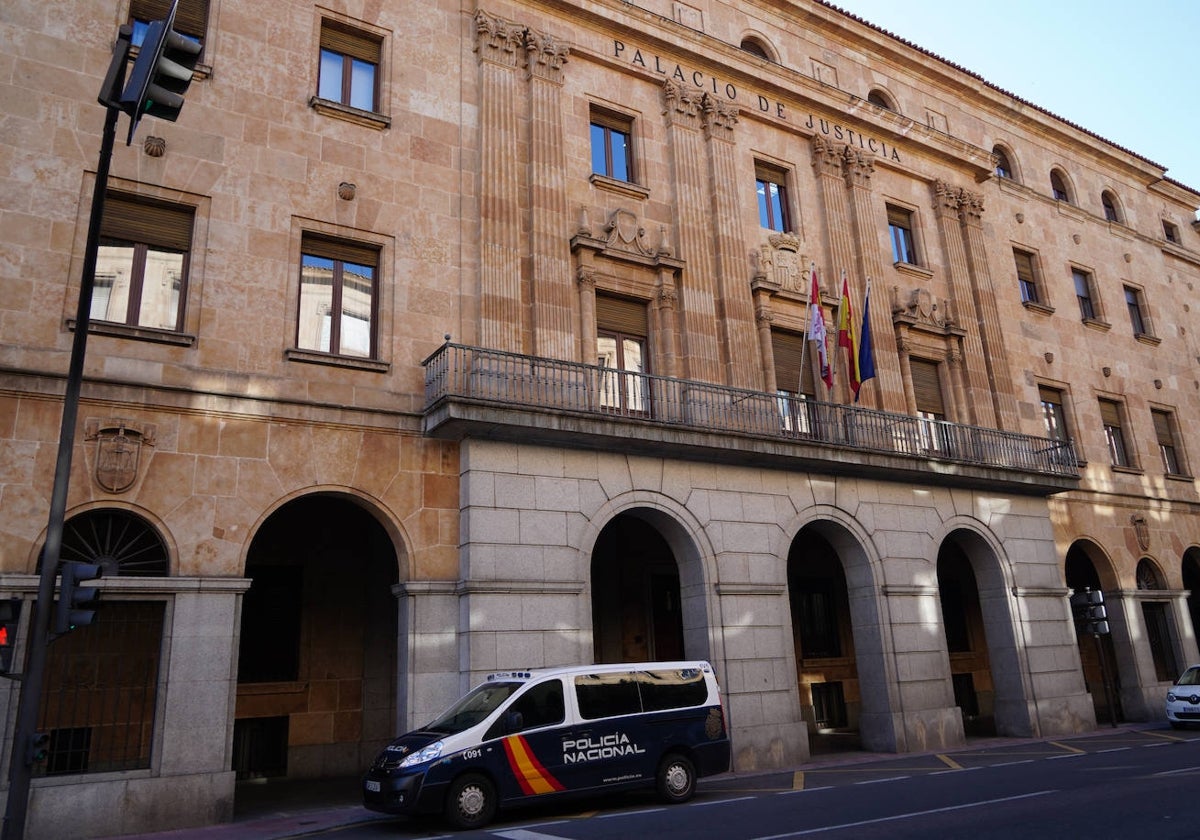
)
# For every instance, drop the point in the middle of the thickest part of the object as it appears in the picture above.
(373, 787)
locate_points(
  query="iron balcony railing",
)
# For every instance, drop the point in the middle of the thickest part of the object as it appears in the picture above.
(458, 372)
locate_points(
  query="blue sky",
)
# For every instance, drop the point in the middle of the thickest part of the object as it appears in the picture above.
(1125, 71)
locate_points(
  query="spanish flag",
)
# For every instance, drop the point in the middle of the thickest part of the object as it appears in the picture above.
(845, 337)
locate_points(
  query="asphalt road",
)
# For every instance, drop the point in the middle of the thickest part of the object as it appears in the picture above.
(1127, 784)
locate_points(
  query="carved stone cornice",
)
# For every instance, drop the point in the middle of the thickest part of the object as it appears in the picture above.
(498, 40)
(857, 167)
(682, 104)
(827, 158)
(546, 56)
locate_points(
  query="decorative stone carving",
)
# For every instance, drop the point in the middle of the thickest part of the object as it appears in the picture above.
(781, 262)
(346, 191)
(154, 147)
(719, 117)
(921, 308)
(827, 159)
(857, 167)
(585, 222)
(683, 104)
(118, 450)
(970, 207)
(497, 39)
(546, 55)
(585, 275)
(624, 232)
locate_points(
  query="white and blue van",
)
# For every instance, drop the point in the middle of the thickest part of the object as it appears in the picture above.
(532, 735)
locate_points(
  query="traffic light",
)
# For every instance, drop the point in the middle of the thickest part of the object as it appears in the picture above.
(161, 74)
(37, 747)
(10, 617)
(1089, 611)
(76, 605)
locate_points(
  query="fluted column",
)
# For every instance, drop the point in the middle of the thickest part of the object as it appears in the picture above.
(682, 110)
(886, 391)
(666, 310)
(946, 211)
(499, 45)
(735, 314)
(553, 302)
(1004, 399)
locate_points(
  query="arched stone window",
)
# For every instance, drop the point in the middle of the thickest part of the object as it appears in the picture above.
(1058, 186)
(881, 99)
(1004, 167)
(756, 47)
(1112, 207)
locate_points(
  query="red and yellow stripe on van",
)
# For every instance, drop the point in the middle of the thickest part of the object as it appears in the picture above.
(531, 775)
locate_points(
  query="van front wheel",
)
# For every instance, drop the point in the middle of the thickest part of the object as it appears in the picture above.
(470, 802)
(676, 778)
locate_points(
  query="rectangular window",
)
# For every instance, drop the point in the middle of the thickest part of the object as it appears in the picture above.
(1158, 632)
(927, 388)
(622, 326)
(1026, 277)
(338, 297)
(1084, 294)
(1052, 413)
(1133, 302)
(1170, 231)
(793, 381)
(1114, 433)
(142, 262)
(99, 694)
(1164, 434)
(770, 185)
(900, 226)
(191, 18)
(612, 149)
(349, 71)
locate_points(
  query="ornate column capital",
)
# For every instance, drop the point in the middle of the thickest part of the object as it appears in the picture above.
(498, 40)
(585, 275)
(827, 159)
(970, 206)
(546, 55)
(682, 104)
(857, 168)
(719, 117)
(945, 197)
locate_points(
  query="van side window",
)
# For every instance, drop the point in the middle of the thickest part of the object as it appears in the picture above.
(542, 705)
(607, 695)
(672, 689)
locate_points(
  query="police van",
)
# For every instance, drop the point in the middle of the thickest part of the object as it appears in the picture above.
(535, 735)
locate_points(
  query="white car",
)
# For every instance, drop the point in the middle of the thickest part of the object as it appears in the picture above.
(1183, 700)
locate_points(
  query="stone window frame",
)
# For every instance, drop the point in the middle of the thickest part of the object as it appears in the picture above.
(354, 39)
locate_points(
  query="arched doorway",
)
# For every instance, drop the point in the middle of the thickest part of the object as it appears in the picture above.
(1096, 653)
(1191, 582)
(823, 638)
(637, 608)
(966, 641)
(317, 657)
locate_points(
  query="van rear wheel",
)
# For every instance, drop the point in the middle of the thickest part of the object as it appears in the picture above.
(676, 778)
(470, 802)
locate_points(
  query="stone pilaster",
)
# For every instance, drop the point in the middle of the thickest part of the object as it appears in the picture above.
(683, 110)
(554, 303)
(1004, 401)
(499, 45)
(886, 391)
(735, 315)
(666, 304)
(946, 201)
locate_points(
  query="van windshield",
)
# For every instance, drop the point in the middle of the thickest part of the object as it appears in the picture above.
(473, 707)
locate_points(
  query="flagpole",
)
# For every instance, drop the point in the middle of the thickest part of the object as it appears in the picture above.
(812, 266)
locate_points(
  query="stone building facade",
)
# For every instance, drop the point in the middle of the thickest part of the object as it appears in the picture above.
(438, 338)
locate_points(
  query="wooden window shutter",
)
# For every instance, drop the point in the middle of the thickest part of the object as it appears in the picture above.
(148, 222)
(622, 315)
(1024, 262)
(793, 368)
(927, 387)
(899, 217)
(347, 41)
(341, 249)
(1110, 413)
(1162, 428)
(191, 19)
(1050, 395)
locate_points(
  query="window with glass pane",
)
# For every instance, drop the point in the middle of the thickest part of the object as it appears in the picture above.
(621, 327)
(1133, 302)
(1058, 187)
(771, 189)
(1170, 232)
(337, 298)
(931, 409)
(1109, 202)
(349, 67)
(611, 151)
(900, 227)
(1052, 413)
(191, 18)
(1026, 277)
(1164, 433)
(1114, 433)
(1003, 166)
(793, 381)
(1083, 293)
(141, 263)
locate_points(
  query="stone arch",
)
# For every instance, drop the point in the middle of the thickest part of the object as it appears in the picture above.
(161, 530)
(684, 536)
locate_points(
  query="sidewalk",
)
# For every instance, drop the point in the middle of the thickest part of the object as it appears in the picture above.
(290, 809)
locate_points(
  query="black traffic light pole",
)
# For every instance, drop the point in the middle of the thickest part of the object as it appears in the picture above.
(20, 761)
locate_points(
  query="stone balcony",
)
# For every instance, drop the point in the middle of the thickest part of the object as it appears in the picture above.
(472, 392)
